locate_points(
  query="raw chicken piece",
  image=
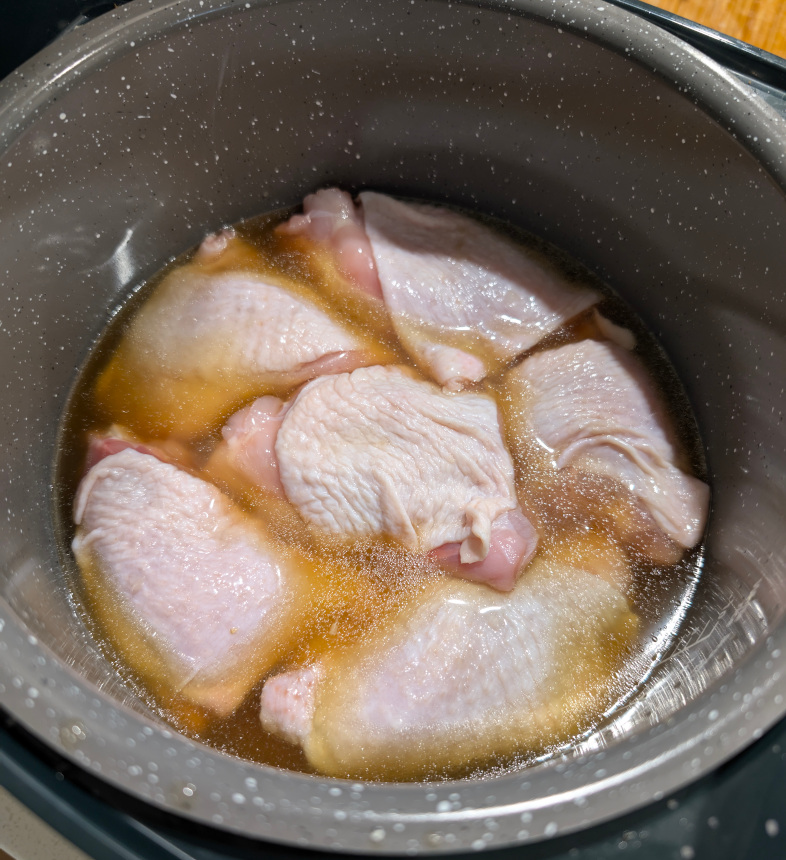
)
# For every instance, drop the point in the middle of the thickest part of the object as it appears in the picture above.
(189, 589)
(618, 334)
(288, 702)
(512, 544)
(331, 220)
(330, 236)
(99, 447)
(592, 406)
(380, 452)
(248, 449)
(462, 676)
(212, 337)
(216, 245)
(116, 439)
(464, 300)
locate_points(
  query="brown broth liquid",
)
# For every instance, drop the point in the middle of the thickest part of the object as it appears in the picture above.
(366, 582)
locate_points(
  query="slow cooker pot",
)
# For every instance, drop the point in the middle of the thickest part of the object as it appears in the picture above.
(126, 141)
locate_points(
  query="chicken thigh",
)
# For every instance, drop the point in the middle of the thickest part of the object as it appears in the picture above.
(332, 221)
(212, 336)
(380, 452)
(463, 676)
(199, 599)
(594, 409)
(463, 299)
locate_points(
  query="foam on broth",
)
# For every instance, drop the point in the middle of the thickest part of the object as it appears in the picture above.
(363, 584)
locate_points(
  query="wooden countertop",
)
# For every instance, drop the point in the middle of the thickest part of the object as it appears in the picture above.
(759, 22)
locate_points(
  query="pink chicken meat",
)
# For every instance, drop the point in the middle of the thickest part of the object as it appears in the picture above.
(211, 597)
(380, 452)
(592, 406)
(331, 220)
(463, 299)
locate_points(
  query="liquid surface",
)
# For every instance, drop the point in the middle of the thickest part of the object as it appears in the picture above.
(364, 581)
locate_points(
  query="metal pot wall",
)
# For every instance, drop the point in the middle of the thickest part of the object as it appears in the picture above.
(127, 140)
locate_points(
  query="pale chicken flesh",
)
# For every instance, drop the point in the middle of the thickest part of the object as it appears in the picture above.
(463, 676)
(212, 335)
(331, 219)
(464, 300)
(380, 452)
(594, 409)
(207, 602)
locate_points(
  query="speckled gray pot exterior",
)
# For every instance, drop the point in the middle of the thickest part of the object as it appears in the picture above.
(130, 137)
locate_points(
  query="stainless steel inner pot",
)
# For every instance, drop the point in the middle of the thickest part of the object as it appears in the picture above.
(129, 138)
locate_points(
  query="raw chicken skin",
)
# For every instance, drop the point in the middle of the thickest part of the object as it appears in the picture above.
(464, 300)
(463, 676)
(331, 219)
(248, 448)
(210, 338)
(116, 439)
(512, 544)
(211, 602)
(380, 452)
(594, 408)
